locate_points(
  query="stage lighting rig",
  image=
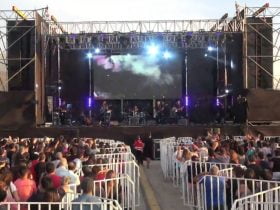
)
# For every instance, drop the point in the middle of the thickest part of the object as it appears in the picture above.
(222, 19)
(19, 13)
(260, 10)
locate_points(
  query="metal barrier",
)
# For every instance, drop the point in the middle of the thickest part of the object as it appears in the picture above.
(238, 138)
(217, 192)
(102, 205)
(266, 200)
(129, 168)
(166, 157)
(227, 172)
(121, 189)
(268, 138)
(117, 157)
(192, 172)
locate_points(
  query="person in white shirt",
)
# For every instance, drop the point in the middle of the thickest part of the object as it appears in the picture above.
(74, 177)
(62, 170)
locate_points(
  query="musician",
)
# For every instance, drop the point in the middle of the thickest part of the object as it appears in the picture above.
(105, 114)
(62, 113)
(158, 111)
(179, 109)
(135, 111)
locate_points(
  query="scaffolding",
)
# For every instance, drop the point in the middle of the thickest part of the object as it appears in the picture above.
(10, 15)
(263, 14)
(123, 35)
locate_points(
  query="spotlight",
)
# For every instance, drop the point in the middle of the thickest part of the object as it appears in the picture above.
(166, 55)
(97, 51)
(89, 55)
(217, 102)
(59, 87)
(89, 102)
(153, 50)
(187, 101)
(210, 49)
(226, 90)
(205, 55)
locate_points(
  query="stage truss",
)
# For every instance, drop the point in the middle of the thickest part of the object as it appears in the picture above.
(266, 12)
(128, 35)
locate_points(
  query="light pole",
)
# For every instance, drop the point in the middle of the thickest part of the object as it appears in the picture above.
(89, 55)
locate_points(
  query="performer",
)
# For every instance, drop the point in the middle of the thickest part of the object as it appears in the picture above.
(135, 112)
(105, 114)
(241, 109)
(179, 109)
(158, 111)
(139, 147)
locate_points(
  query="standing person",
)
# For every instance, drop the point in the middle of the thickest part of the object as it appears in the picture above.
(139, 147)
(148, 150)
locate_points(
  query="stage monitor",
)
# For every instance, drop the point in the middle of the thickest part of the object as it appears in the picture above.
(137, 77)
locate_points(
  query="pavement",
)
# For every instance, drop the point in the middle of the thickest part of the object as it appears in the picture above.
(158, 193)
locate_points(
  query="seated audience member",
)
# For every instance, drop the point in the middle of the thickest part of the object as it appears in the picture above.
(259, 172)
(215, 190)
(40, 168)
(262, 162)
(58, 157)
(65, 184)
(113, 188)
(275, 165)
(62, 169)
(75, 179)
(3, 195)
(56, 180)
(25, 186)
(7, 177)
(87, 186)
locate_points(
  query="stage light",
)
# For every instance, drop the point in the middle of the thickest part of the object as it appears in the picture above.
(210, 48)
(153, 50)
(226, 90)
(89, 102)
(217, 102)
(97, 51)
(166, 55)
(205, 55)
(187, 101)
(89, 55)
(59, 87)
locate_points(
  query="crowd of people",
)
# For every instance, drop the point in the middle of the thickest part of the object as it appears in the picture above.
(45, 170)
(261, 157)
(251, 158)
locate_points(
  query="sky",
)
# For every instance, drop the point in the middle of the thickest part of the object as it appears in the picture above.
(100, 10)
(94, 10)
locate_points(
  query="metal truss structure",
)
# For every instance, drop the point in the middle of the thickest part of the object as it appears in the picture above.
(125, 35)
(263, 14)
(9, 15)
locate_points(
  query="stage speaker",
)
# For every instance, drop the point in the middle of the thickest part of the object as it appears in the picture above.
(259, 52)
(21, 49)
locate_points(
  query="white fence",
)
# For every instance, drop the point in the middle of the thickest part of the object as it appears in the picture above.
(117, 157)
(129, 168)
(104, 205)
(266, 200)
(217, 192)
(121, 189)
(191, 172)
